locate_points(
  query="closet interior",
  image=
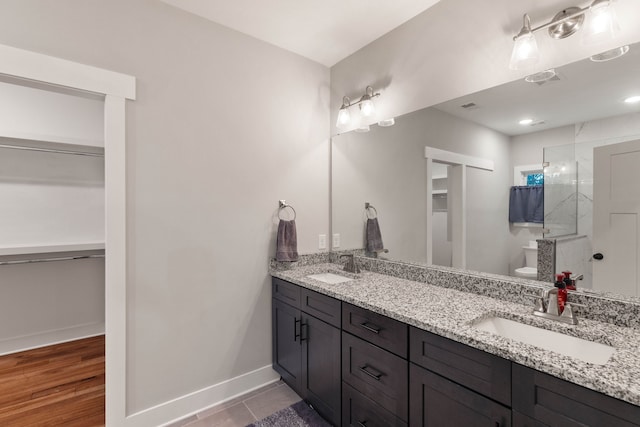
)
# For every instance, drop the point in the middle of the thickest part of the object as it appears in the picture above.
(52, 215)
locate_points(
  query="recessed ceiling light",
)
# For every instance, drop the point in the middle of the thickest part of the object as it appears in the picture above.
(632, 99)
(525, 122)
(610, 54)
(542, 76)
(387, 122)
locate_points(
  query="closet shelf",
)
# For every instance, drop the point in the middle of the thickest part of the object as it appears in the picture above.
(51, 143)
(50, 248)
(438, 191)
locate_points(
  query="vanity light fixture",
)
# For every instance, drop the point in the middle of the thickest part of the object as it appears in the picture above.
(365, 104)
(601, 25)
(632, 99)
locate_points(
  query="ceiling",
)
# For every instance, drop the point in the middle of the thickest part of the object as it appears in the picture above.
(325, 31)
(585, 91)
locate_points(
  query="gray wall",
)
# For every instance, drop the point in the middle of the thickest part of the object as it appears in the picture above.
(223, 126)
(386, 167)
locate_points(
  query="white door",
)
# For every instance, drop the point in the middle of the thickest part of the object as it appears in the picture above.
(616, 230)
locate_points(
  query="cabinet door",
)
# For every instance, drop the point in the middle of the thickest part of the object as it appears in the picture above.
(287, 348)
(360, 411)
(321, 367)
(436, 401)
(547, 400)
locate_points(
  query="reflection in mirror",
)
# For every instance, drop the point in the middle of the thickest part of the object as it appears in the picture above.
(578, 110)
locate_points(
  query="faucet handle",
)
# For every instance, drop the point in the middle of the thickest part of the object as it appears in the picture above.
(539, 301)
(569, 314)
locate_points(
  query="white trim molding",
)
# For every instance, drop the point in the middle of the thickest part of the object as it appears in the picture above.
(190, 404)
(56, 71)
(451, 158)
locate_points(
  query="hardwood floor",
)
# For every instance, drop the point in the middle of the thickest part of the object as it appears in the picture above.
(59, 385)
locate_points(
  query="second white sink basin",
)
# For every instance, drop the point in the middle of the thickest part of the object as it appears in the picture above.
(587, 351)
(330, 278)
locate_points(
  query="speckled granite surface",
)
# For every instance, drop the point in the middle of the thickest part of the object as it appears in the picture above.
(451, 313)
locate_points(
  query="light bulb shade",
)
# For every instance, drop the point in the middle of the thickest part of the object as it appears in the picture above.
(602, 24)
(367, 109)
(525, 51)
(344, 118)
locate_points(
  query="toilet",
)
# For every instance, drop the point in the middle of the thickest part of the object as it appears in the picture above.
(530, 269)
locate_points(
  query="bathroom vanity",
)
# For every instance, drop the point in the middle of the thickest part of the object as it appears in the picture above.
(379, 350)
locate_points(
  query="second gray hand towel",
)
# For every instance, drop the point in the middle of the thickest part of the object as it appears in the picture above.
(373, 236)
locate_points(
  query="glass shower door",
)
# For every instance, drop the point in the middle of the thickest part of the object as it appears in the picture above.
(560, 191)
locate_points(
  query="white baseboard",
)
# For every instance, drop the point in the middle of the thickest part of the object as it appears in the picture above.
(58, 336)
(192, 403)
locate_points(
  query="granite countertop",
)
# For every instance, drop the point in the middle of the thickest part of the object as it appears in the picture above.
(451, 313)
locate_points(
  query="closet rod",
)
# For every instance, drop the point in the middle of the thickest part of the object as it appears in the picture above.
(68, 258)
(51, 150)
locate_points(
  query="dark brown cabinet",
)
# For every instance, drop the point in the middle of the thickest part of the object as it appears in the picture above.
(363, 369)
(543, 400)
(436, 401)
(306, 349)
(286, 347)
(321, 367)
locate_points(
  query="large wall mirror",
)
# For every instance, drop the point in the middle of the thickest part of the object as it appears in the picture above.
(576, 146)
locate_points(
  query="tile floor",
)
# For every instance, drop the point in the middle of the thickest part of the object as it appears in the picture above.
(245, 409)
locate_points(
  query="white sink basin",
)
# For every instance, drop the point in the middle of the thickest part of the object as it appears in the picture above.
(330, 278)
(587, 351)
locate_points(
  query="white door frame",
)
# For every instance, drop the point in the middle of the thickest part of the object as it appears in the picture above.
(116, 88)
(458, 183)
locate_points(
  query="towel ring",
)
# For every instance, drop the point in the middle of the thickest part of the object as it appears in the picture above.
(368, 207)
(283, 206)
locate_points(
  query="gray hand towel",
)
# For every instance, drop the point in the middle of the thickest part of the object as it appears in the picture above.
(287, 241)
(373, 236)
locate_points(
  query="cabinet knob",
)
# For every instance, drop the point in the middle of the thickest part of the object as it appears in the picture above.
(598, 256)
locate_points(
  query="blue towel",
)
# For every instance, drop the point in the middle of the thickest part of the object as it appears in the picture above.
(526, 204)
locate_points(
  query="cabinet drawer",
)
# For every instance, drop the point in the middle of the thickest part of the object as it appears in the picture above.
(321, 306)
(376, 328)
(548, 400)
(475, 369)
(376, 373)
(286, 292)
(436, 402)
(360, 411)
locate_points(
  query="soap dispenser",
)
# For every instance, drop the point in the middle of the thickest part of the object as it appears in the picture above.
(562, 292)
(569, 283)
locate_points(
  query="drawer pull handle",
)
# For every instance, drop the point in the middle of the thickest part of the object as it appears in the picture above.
(375, 376)
(362, 423)
(371, 328)
(296, 335)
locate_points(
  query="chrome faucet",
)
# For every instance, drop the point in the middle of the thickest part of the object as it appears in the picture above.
(547, 307)
(351, 266)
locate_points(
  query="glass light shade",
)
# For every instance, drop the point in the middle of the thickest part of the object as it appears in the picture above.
(367, 108)
(344, 118)
(602, 24)
(525, 52)
(387, 122)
